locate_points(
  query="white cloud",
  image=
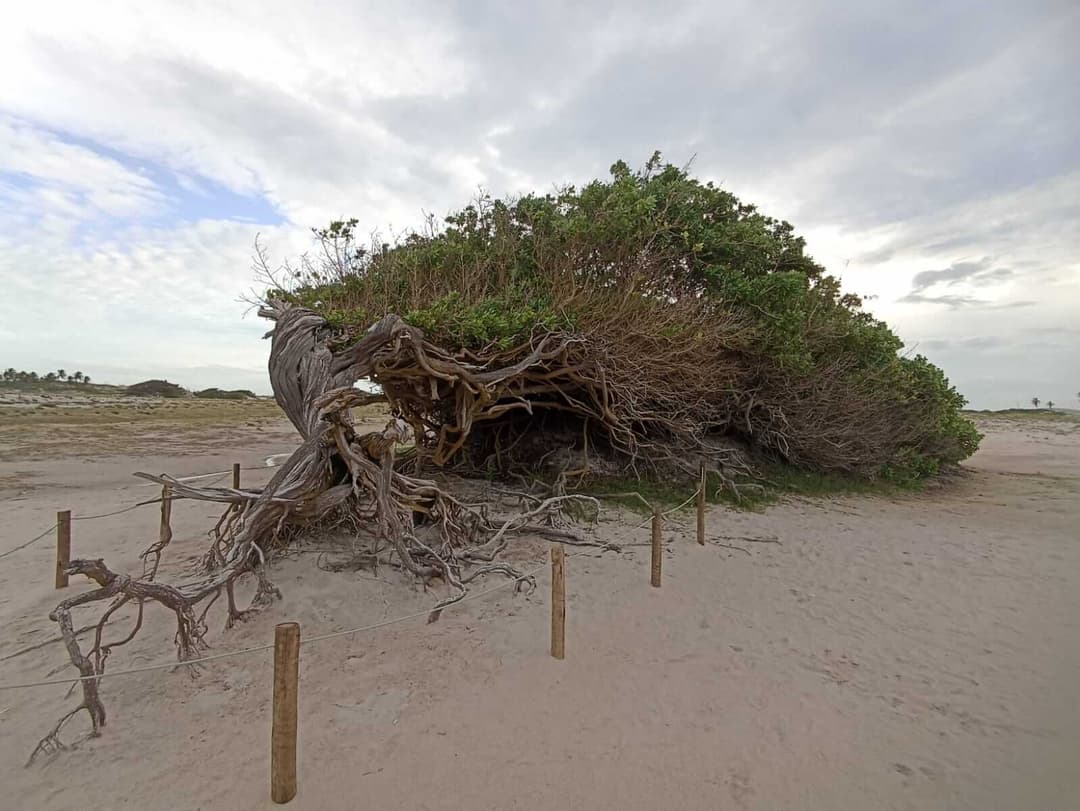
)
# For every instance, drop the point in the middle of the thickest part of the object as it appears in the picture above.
(898, 143)
(268, 98)
(148, 298)
(66, 180)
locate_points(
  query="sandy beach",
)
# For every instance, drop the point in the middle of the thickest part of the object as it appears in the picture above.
(914, 652)
(360, 360)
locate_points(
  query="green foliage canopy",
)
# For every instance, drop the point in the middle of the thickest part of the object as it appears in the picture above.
(823, 385)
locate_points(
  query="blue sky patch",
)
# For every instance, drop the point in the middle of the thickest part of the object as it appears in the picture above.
(179, 197)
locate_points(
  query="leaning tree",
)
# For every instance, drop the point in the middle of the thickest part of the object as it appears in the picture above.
(336, 476)
(640, 326)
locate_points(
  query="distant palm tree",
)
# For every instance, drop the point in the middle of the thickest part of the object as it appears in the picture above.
(1035, 401)
(1050, 404)
(9, 374)
(77, 376)
(86, 380)
(60, 373)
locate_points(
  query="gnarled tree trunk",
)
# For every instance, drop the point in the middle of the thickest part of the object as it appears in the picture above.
(406, 521)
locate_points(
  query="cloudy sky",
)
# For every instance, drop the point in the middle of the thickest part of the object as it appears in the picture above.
(930, 152)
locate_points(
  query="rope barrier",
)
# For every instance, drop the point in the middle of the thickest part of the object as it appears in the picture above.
(130, 508)
(74, 518)
(106, 515)
(269, 646)
(24, 545)
(220, 476)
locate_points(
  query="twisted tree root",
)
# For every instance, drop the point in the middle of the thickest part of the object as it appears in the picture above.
(336, 473)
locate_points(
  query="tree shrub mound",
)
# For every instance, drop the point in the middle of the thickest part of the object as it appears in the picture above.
(223, 394)
(648, 323)
(650, 317)
(156, 388)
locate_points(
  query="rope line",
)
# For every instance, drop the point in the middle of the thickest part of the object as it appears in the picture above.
(73, 518)
(24, 545)
(128, 509)
(268, 646)
(221, 474)
(106, 515)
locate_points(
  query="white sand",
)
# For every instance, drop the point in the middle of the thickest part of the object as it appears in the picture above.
(913, 653)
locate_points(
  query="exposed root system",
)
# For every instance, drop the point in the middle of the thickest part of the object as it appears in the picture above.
(339, 475)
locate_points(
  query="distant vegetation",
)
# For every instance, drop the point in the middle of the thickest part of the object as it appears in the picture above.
(222, 394)
(60, 380)
(157, 388)
(12, 375)
(1070, 415)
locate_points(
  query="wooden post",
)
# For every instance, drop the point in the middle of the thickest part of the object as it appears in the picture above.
(63, 547)
(283, 732)
(558, 601)
(165, 532)
(701, 506)
(236, 475)
(657, 549)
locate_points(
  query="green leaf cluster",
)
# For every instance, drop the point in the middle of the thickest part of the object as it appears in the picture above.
(498, 271)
